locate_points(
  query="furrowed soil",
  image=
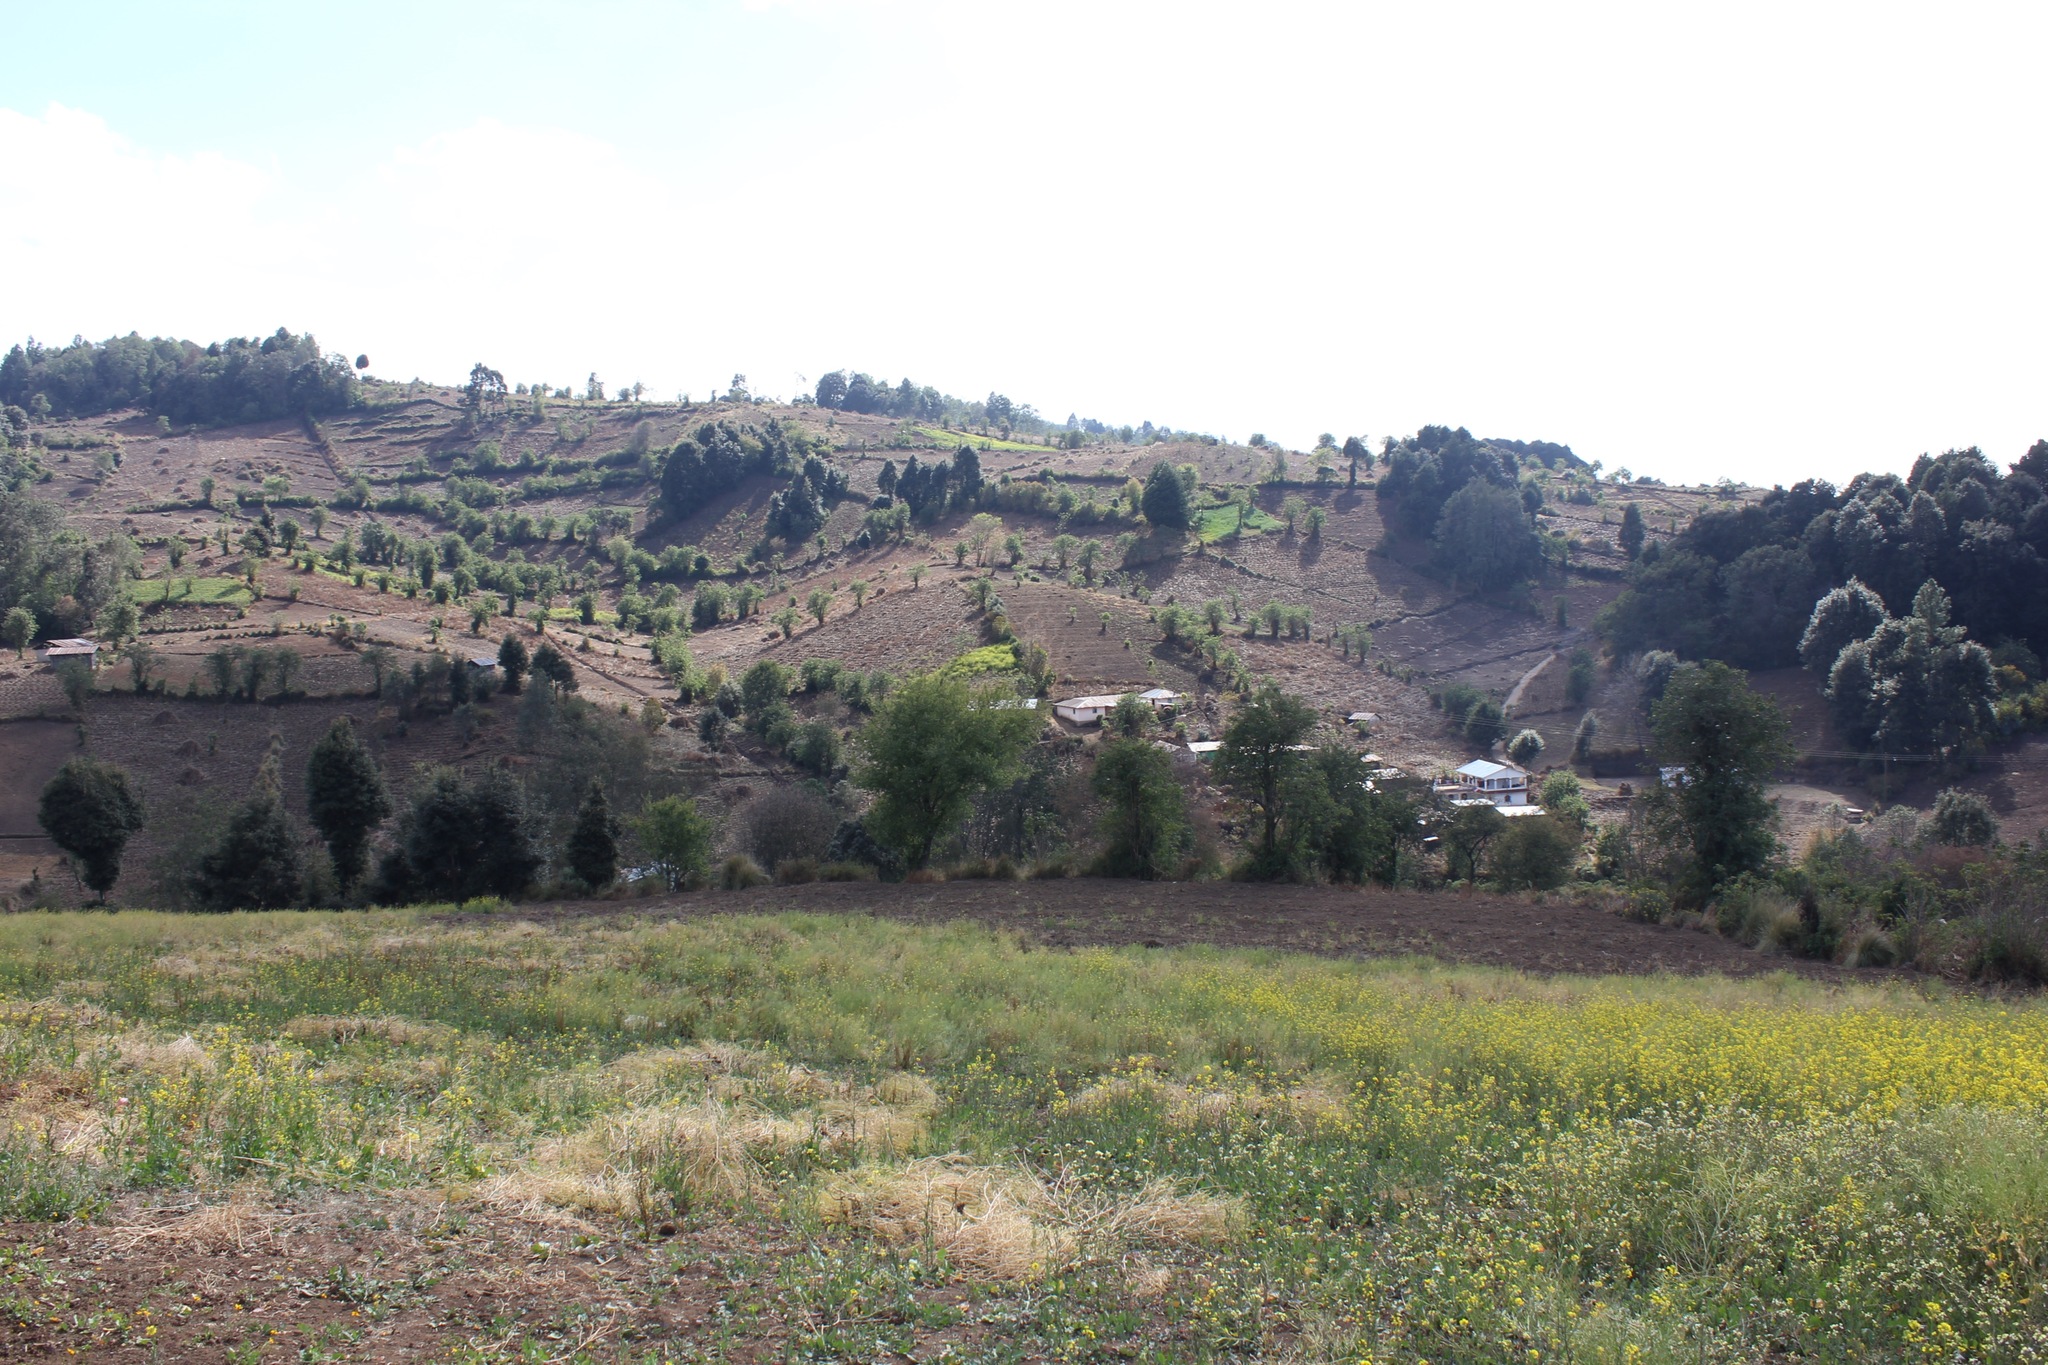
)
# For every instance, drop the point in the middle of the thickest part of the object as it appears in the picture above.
(1552, 937)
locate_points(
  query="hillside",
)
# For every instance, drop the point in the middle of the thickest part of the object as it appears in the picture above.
(550, 490)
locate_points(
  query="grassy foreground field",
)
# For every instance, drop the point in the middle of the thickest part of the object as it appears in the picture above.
(383, 1136)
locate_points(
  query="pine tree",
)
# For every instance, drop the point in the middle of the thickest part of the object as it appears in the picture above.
(513, 662)
(1631, 538)
(256, 865)
(345, 798)
(593, 850)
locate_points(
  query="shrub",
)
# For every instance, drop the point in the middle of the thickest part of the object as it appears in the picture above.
(788, 823)
(796, 871)
(739, 872)
(846, 872)
(1526, 747)
(1962, 819)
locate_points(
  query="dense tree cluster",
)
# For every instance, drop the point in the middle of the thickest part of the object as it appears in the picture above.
(717, 458)
(1425, 471)
(1741, 583)
(238, 380)
(1911, 684)
(62, 580)
(861, 393)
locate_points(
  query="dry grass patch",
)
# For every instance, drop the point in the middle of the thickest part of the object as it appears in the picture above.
(1006, 1223)
(310, 1029)
(237, 1224)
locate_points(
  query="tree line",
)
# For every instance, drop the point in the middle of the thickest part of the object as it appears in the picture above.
(241, 379)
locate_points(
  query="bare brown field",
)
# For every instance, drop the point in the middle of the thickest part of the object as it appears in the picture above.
(1526, 934)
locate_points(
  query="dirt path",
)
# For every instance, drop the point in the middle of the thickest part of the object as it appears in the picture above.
(1496, 931)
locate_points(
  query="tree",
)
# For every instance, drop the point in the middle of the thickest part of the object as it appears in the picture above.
(1466, 835)
(551, 664)
(513, 663)
(1916, 685)
(1165, 500)
(819, 604)
(345, 798)
(1534, 853)
(1130, 717)
(17, 628)
(1144, 822)
(89, 811)
(593, 849)
(461, 838)
(1485, 539)
(1565, 799)
(1340, 826)
(1293, 508)
(117, 622)
(930, 747)
(1256, 759)
(675, 838)
(1842, 617)
(142, 660)
(1631, 537)
(1354, 454)
(256, 865)
(1583, 737)
(1729, 741)
(764, 686)
(1962, 819)
(1525, 748)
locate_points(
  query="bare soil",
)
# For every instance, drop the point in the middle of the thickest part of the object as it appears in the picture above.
(365, 1278)
(1548, 936)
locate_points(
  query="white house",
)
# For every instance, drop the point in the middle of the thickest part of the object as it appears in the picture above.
(1091, 710)
(1499, 784)
(1086, 710)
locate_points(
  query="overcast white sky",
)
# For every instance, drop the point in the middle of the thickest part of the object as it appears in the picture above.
(1761, 240)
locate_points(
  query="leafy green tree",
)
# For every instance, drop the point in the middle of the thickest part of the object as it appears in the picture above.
(676, 839)
(553, 666)
(1485, 723)
(763, 687)
(1729, 741)
(1534, 853)
(256, 865)
(17, 628)
(89, 810)
(1485, 539)
(1962, 819)
(819, 604)
(345, 798)
(1257, 758)
(593, 849)
(1340, 827)
(117, 622)
(1583, 737)
(930, 747)
(1565, 799)
(1466, 835)
(1165, 500)
(1145, 822)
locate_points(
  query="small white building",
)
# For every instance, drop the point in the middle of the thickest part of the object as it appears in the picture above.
(1498, 784)
(1091, 710)
(1086, 710)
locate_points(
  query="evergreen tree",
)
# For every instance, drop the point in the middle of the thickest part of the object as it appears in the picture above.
(89, 811)
(593, 849)
(345, 798)
(1842, 617)
(1165, 500)
(459, 839)
(1632, 534)
(256, 865)
(513, 663)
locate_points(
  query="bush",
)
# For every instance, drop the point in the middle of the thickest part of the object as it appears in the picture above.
(846, 872)
(1962, 819)
(789, 823)
(796, 871)
(739, 872)
(1526, 747)
(1533, 853)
